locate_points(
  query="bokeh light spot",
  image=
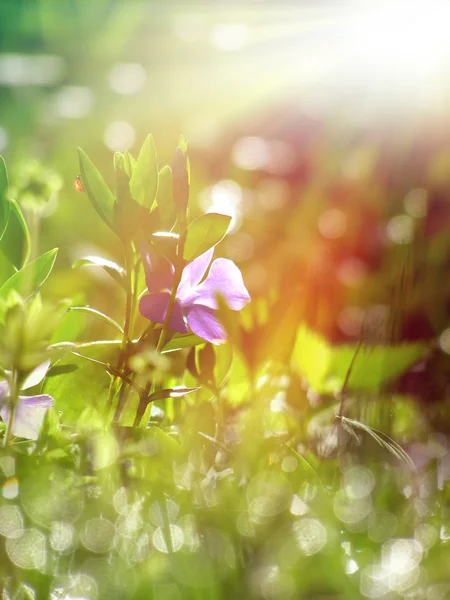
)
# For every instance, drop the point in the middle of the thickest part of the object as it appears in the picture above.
(119, 136)
(444, 341)
(251, 153)
(10, 488)
(11, 521)
(168, 539)
(416, 203)
(400, 229)
(27, 551)
(310, 535)
(97, 535)
(74, 102)
(127, 78)
(229, 36)
(358, 482)
(62, 536)
(332, 223)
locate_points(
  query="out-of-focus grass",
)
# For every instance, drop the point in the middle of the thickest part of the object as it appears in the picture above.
(339, 195)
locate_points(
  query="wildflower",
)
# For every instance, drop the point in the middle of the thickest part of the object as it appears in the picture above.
(195, 303)
(30, 412)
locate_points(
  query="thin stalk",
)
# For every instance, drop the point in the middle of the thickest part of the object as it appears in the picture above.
(165, 330)
(143, 403)
(135, 292)
(131, 286)
(129, 301)
(166, 326)
(113, 371)
(142, 407)
(343, 393)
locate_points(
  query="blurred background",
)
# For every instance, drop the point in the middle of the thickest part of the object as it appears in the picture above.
(322, 127)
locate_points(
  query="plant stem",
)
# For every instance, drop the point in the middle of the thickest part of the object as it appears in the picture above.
(165, 330)
(132, 275)
(129, 301)
(343, 393)
(143, 403)
(176, 282)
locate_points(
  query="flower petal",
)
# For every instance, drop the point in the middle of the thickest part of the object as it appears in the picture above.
(193, 273)
(224, 278)
(30, 415)
(158, 270)
(4, 390)
(154, 307)
(204, 323)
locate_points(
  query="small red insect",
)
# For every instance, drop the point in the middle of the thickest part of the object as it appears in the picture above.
(78, 185)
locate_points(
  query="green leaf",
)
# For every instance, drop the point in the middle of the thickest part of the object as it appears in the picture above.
(209, 366)
(98, 314)
(166, 243)
(177, 392)
(144, 180)
(98, 192)
(183, 144)
(76, 383)
(36, 376)
(182, 341)
(129, 163)
(164, 196)
(325, 366)
(204, 233)
(15, 243)
(4, 198)
(31, 277)
(117, 272)
(206, 362)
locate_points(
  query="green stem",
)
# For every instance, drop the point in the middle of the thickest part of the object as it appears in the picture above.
(132, 274)
(176, 282)
(142, 407)
(143, 403)
(129, 301)
(165, 330)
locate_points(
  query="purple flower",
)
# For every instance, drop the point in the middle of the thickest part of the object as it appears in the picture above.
(30, 412)
(195, 303)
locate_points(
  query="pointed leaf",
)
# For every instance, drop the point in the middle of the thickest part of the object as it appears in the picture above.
(36, 376)
(98, 314)
(325, 366)
(204, 233)
(15, 243)
(76, 383)
(144, 180)
(164, 197)
(98, 192)
(178, 392)
(182, 341)
(31, 277)
(116, 271)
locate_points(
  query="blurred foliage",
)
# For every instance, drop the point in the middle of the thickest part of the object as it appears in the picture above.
(306, 457)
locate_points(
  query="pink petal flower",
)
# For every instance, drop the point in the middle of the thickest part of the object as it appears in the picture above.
(158, 270)
(224, 278)
(193, 273)
(203, 323)
(30, 415)
(154, 307)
